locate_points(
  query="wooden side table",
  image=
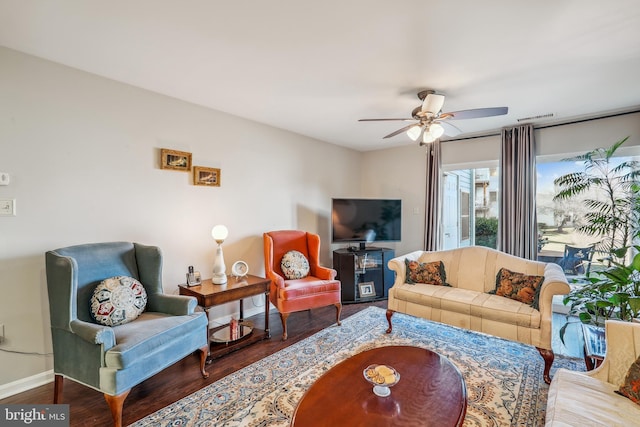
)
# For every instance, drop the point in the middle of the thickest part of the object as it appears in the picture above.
(210, 295)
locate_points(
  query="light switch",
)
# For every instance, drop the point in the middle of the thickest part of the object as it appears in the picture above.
(5, 178)
(7, 207)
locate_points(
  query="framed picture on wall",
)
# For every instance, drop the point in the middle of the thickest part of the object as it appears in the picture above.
(367, 289)
(175, 160)
(206, 176)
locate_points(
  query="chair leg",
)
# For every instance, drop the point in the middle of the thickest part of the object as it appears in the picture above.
(203, 361)
(389, 314)
(284, 317)
(548, 357)
(339, 310)
(115, 404)
(57, 389)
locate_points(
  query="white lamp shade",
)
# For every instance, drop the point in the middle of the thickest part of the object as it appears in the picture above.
(219, 233)
(436, 130)
(414, 132)
(428, 137)
(433, 103)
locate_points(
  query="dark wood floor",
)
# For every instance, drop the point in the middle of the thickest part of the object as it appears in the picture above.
(88, 406)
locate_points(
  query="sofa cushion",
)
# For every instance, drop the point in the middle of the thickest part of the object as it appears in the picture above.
(294, 265)
(118, 300)
(520, 287)
(432, 273)
(576, 399)
(470, 303)
(631, 386)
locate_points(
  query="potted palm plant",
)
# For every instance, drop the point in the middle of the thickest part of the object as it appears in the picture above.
(613, 212)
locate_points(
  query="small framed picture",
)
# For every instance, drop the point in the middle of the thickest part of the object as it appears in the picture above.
(206, 176)
(367, 289)
(175, 160)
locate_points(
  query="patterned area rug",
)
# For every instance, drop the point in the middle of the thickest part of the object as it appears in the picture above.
(503, 378)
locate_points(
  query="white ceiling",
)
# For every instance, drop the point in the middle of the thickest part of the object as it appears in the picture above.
(315, 68)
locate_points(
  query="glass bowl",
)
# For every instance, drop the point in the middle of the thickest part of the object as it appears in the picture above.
(381, 377)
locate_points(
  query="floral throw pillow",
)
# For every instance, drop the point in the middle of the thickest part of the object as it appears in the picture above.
(518, 286)
(118, 300)
(294, 265)
(431, 273)
(631, 386)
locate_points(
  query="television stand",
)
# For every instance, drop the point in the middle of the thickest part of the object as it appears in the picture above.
(363, 273)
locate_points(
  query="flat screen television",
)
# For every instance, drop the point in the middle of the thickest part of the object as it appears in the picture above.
(364, 221)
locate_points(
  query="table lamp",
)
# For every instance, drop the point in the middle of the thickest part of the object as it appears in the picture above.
(219, 233)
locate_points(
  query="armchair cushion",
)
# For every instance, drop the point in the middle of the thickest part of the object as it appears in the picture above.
(294, 265)
(151, 332)
(118, 300)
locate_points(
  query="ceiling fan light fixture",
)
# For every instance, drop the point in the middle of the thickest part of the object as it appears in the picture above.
(428, 137)
(433, 103)
(414, 133)
(436, 130)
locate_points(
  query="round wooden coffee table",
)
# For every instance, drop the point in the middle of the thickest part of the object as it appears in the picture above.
(431, 392)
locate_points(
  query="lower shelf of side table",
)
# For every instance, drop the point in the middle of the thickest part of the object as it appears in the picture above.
(221, 344)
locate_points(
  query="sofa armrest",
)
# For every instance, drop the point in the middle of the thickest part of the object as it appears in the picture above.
(555, 283)
(177, 305)
(94, 333)
(397, 265)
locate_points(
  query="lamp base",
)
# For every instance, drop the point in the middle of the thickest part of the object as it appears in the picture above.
(219, 279)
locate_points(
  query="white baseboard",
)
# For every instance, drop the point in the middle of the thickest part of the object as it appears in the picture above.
(25, 384)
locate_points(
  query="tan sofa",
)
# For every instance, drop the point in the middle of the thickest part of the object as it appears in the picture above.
(471, 272)
(589, 398)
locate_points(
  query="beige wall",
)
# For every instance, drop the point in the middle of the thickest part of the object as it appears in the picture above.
(83, 154)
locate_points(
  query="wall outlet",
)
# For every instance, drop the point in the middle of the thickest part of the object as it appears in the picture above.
(7, 207)
(1, 334)
(5, 178)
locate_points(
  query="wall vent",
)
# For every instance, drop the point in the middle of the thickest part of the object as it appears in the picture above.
(541, 116)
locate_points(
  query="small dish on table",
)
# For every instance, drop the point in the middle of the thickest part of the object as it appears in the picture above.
(381, 377)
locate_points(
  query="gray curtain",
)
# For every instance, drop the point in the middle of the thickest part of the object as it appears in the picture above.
(517, 231)
(433, 205)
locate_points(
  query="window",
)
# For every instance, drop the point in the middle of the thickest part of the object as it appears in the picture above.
(470, 207)
(558, 220)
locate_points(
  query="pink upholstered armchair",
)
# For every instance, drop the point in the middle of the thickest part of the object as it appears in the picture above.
(318, 289)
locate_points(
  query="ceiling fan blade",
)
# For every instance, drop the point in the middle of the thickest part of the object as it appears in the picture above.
(475, 113)
(432, 103)
(399, 131)
(450, 129)
(384, 120)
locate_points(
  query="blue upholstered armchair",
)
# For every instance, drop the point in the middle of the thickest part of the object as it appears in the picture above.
(113, 359)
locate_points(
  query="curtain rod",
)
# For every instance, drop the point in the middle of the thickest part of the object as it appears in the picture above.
(551, 125)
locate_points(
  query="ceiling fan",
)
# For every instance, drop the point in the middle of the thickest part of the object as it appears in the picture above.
(432, 123)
